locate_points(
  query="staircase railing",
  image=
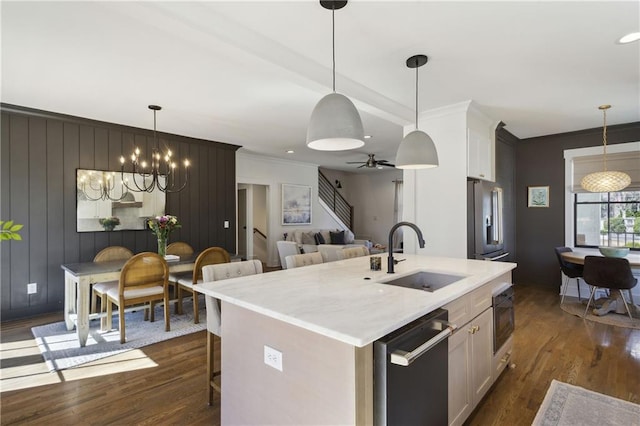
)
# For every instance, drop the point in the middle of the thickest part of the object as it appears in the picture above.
(335, 200)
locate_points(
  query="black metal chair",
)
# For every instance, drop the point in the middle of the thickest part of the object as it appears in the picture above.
(570, 271)
(609, 272)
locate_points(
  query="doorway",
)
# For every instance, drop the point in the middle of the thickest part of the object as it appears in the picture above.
(253, 220)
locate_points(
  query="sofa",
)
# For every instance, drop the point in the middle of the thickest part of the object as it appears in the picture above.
(326, 241)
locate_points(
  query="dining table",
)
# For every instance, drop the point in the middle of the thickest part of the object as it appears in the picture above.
(614, 301)
(78, 278)
(577, 256)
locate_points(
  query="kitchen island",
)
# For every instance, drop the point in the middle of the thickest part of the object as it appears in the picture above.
(317, 325)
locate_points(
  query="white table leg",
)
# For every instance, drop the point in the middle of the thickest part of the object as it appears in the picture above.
(70, 286)
(82, 322)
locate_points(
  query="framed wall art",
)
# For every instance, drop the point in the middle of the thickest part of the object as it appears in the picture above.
(296, 204)
(538, 196)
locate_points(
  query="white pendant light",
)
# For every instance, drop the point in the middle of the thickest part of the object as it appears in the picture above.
(335, 123)
(417, 150)
(605, 181)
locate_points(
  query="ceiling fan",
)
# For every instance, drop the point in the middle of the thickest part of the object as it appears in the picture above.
(372, 162)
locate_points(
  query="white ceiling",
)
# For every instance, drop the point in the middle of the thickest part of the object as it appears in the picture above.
(249, 73)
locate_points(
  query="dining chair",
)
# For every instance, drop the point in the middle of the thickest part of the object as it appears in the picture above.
(286, 248)
(180, 248)
(186, 281)
(99, 289)
(306, 259)
(351, 252)
(570, 271)
(223, 271)
(609, 272)
(183, 250)
(143, 280)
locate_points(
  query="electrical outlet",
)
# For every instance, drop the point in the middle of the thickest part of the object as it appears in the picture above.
(32, 288)
(226, 223)
(273, 358)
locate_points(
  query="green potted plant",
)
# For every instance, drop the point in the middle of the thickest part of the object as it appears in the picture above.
(109, 223)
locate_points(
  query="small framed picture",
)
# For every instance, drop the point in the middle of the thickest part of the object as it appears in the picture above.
(538, 196)
(296, 204)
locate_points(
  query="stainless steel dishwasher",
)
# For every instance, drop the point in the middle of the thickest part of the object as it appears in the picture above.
(411, 373)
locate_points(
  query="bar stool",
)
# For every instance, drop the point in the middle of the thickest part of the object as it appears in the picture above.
(221, 271)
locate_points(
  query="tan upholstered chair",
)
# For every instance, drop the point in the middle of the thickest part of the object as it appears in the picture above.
(143, 279)
(186, 281)
(352, 252)
(222, 271)
(286, 248)
(100, 289)
(180, 249)
(297, 260)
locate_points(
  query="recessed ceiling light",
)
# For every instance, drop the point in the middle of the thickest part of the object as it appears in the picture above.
(290, 151)
(368, 136)
(629, 38)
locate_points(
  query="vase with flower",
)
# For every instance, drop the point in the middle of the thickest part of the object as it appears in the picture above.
(162, 226)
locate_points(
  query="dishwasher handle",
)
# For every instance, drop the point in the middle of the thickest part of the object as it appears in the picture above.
(404, 358)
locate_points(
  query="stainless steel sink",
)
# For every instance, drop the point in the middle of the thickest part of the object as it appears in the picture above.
(425, 280)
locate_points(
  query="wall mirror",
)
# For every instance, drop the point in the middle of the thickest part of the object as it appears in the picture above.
(105, 204)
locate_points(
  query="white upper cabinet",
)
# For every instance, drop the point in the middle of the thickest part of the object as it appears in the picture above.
(481, 145)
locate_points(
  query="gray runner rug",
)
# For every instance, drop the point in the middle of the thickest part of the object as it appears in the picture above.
(565, 405)
(61, 349)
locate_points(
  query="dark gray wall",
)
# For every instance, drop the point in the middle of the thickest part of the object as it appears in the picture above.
(40, 154)
(506, 179)
(540, 162)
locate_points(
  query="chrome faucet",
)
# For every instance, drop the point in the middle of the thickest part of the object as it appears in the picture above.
(390, 261)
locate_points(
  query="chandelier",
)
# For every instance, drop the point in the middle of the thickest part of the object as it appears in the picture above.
(159, 172)
(605, 181)
(96, 186)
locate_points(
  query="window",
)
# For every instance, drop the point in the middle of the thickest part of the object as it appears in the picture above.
(603, 219)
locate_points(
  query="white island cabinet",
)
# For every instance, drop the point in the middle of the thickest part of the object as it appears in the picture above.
(297, 343)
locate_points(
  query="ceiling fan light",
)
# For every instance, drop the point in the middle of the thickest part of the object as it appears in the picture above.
(417, 151)
(607, 181)
(335, 125)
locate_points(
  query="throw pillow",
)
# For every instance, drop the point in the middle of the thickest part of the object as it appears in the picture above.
(319, 239)
(337, 237)
(308, 238)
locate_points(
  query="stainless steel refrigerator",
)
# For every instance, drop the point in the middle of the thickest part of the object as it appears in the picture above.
(485, 229)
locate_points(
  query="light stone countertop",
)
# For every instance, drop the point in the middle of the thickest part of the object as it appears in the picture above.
(335, 300)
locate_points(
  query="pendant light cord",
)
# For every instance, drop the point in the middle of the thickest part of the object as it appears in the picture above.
(333, 44)
(155, 136)
(604, 138)
(417, 94)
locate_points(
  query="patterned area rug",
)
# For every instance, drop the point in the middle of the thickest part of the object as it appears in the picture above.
(572, 306)
(566, 404)
(61, 350)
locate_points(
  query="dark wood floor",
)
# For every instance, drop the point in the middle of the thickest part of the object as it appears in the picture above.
(165, 383)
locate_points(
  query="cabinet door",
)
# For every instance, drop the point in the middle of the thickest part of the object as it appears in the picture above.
(103, 208)
(482, 354)
(87, 209)
(480, 153)
(460, 395)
